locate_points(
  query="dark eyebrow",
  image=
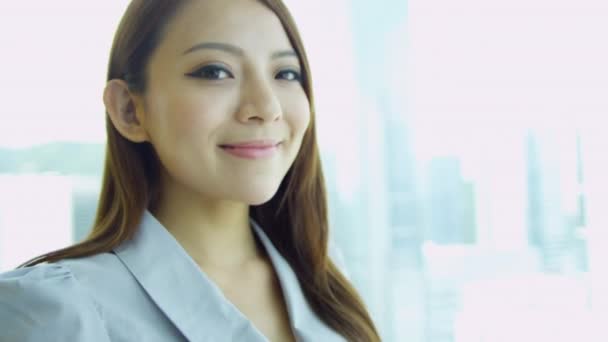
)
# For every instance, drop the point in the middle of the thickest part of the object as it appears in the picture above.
(216, 46)
(286, 53)
(235, 50)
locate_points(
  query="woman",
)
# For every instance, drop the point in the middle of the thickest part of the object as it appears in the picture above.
(212, 222)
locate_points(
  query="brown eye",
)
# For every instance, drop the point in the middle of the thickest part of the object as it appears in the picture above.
(289, 75)
(212, 72)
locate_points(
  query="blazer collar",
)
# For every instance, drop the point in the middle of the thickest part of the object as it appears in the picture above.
(194, 303)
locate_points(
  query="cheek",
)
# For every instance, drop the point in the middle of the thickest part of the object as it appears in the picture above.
(181, 118)
(299, 115)
(187, 118)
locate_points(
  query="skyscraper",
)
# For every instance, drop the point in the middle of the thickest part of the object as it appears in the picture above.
(555, 201)
(450, 204)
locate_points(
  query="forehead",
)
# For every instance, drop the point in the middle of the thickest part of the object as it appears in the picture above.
(249, 24)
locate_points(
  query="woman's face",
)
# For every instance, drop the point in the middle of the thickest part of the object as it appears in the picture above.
(224, 106)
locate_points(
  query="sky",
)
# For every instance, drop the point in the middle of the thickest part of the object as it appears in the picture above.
(53, 69)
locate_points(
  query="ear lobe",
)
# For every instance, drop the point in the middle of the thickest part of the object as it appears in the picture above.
(122, 110)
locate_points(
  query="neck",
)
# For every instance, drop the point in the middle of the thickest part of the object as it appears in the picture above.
(216, 234)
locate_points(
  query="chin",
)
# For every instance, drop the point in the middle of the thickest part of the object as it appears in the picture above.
(258, 195)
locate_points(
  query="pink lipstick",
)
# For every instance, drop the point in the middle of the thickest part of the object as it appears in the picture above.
(252, 150)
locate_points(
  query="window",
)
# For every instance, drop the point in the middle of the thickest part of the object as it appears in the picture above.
(463, 145)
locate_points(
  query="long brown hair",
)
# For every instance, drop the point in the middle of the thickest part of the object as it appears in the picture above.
(131, 174)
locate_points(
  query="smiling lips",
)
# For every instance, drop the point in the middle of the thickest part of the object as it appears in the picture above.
(252, 149)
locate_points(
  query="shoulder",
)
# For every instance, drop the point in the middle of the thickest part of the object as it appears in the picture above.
(47, 301)
(31, 286)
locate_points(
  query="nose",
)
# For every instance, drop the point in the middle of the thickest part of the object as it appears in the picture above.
(259, 102)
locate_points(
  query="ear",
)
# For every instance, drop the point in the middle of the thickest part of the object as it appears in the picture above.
(126, 115)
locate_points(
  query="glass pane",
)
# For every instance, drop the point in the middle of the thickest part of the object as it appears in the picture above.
(463, 146)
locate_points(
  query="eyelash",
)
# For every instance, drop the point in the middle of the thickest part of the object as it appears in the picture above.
(200, 73)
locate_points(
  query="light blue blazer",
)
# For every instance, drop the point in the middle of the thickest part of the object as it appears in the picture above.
(147, 290)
